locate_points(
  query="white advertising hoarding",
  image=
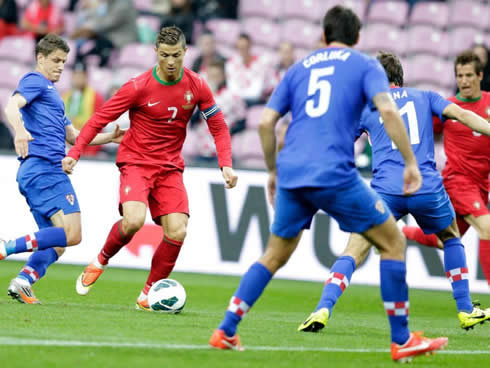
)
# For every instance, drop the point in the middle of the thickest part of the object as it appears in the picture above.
(227, 232)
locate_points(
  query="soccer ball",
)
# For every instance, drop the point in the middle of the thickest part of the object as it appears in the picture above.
(167, 296)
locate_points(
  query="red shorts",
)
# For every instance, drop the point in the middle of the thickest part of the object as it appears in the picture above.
(161, 189)
(466, 196)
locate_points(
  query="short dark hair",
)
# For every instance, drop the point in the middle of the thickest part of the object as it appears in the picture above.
(341, 24)
(245, 36)
(171, 36)
(217, 63)
(468, 57)
(50, 43)
(393, 67)
(207, 32)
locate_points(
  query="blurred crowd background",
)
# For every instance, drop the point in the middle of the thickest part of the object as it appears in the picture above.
(241, 47)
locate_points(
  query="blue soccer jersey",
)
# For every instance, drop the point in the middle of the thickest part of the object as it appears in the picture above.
(326, 93)
(417, 109)
(44, 117)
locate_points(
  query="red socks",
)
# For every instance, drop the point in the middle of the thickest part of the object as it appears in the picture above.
(416, 234)
(484, 255)
(115, 241)
(163, 261)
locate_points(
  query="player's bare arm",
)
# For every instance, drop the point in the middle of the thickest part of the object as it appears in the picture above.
(14, 118)
(395, 128)
(102, 138)
(468, 118)
(267, 133)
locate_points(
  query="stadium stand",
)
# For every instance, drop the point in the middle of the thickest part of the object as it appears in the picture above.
(430, 13)
(427, 36)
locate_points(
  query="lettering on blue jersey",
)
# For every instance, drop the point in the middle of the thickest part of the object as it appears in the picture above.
(210, 111)
(326, 56)
(399, 94)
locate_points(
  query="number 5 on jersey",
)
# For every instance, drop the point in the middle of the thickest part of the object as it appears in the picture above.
(324, 88)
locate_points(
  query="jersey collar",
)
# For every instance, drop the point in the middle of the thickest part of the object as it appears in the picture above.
(155, 75)
(458, 96)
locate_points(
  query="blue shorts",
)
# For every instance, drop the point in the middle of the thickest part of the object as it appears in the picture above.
(355, 207)
(433, 212)
(47, 189)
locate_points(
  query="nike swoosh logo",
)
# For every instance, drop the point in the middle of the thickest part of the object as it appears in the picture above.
(153, 104)
(50, 87)
(477, 317)
(424, 345)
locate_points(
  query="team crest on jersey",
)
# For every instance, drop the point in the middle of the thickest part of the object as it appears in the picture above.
(127, 189)
(476, 205)
(70, 198)
(188, 96)
(379, 206)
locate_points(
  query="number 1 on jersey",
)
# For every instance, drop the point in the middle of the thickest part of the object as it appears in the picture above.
(413, 123)
(324, 87)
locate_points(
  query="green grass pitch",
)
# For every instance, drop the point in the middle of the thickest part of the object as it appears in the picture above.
(103, 329)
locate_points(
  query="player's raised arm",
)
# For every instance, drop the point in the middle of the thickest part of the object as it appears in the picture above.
(101, 138)
(468, 118)
(396, 130)
(14, 118)
(110, 111)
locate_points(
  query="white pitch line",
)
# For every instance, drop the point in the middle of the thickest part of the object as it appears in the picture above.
(14, 341)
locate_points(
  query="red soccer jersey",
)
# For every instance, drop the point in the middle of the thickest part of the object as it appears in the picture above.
(159, 113)
(468, 152)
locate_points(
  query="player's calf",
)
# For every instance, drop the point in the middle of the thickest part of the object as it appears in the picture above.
(43, 239)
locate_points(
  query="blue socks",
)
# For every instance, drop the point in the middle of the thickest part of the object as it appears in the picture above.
(457, 273)
(394, 292)
(337, 282)
(43, 239)
(251, 287)
(37, 264)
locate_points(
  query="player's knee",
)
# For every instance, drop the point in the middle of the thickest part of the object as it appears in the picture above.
(73, 237)
(274, 263)
(484, 234)
(132, 224)
(178, 233)
(59, 251)
(394, 246)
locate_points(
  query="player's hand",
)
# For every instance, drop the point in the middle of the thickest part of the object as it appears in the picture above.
(21, 142)
(412, 180)
(271, 187)
(68, 163)
(117, 134)
(230, 177)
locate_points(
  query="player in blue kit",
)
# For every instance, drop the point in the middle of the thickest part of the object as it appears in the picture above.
(326, 93)
(430, 206)
(37, 114)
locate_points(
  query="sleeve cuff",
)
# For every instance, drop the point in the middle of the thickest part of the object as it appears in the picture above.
(74, 153)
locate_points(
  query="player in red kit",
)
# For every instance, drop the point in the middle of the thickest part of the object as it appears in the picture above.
(160, 103)
(468, 167)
